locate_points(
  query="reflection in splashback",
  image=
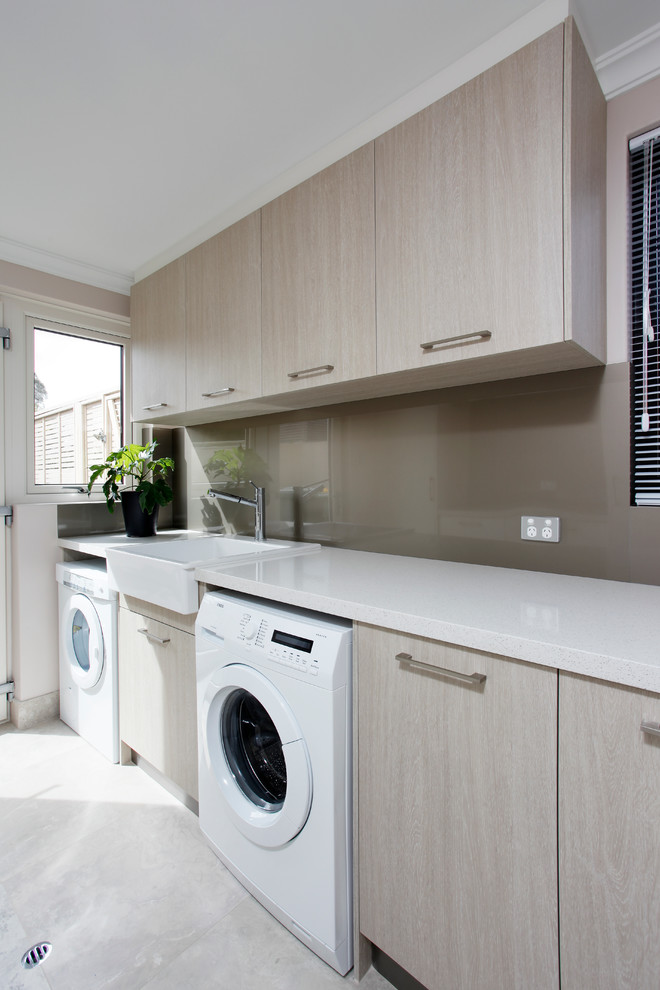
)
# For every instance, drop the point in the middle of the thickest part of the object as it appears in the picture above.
(443, 474)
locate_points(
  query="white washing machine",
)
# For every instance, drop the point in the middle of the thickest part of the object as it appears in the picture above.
(89, 693)
(274, 721)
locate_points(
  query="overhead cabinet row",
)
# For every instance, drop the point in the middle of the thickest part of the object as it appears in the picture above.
(465, 244)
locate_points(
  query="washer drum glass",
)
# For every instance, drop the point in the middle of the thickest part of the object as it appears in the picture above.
(253, 750)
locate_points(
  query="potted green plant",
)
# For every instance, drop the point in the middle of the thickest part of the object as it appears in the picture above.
(144, 485)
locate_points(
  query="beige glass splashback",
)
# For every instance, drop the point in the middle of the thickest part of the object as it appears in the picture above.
(443, 474)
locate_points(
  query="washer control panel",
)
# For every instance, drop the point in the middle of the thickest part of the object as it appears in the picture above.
(89, 577)
(293, 650)
(86, 586)
(308, 644)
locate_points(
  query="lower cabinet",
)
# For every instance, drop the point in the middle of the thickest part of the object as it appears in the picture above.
(457, 813)
(609, 836)
(157, 693)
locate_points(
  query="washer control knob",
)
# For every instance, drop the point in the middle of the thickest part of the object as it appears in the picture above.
(250, 629)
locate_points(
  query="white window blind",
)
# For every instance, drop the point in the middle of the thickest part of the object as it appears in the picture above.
(645, 303)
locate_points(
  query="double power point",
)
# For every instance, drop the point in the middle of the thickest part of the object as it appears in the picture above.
(543, 529)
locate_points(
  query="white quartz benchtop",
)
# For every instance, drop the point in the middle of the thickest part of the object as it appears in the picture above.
(604, 629)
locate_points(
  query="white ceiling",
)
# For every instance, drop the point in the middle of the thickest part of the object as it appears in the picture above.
(132, 129)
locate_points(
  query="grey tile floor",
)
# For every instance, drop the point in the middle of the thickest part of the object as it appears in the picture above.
(109, 867)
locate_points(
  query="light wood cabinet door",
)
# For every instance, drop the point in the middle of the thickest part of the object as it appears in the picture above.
(319, 320)
(157, 696)
(471, 220)
(223, 317)
(609, 836)
(457, 814)
(158, 344)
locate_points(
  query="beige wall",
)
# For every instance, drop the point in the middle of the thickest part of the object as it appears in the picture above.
(16, 278)
(34, 600)
(32, 542)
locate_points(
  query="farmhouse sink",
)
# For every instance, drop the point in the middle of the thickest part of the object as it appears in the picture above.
(164, 573)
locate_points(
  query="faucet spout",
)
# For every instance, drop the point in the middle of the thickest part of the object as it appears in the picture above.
(258, 503)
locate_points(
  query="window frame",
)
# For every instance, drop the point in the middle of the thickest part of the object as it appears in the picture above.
(86, 333)
(22, 312)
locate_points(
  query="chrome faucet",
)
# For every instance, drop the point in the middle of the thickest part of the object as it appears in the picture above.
(257, 503)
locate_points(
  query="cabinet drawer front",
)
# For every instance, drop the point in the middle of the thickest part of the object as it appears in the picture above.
(457, 813)
(186, 623)
(469, 217)
(157, 698)
(609, 836)
(223, 317)
(319, 319)
(158, 344)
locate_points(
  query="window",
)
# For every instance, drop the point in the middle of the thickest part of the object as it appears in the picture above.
(78, 403)
(645, 310)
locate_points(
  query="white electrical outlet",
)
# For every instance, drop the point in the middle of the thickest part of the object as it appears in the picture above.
(543, 529)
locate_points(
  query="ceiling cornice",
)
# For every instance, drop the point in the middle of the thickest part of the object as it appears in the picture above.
(630, 64)
(54, 264)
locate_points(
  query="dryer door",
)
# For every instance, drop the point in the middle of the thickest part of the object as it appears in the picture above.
(82, 640)
(255, 751)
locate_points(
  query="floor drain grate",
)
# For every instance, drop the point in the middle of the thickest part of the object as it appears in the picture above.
(36, 955)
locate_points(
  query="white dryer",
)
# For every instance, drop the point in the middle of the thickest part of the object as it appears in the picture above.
(274, 721)
(89, 695)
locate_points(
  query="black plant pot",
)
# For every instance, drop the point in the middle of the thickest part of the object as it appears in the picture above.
(137, 522)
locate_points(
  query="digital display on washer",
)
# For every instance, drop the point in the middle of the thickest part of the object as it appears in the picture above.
(295, 642)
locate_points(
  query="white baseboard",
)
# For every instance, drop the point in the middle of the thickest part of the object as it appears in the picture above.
(27, 714)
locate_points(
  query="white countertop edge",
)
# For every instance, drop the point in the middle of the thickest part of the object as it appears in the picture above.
(615, 669)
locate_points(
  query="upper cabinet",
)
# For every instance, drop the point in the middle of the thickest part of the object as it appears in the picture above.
(490, 220)
(223, 317)
(466, 244)
(196, 328)
(319, 323)
(158, 346)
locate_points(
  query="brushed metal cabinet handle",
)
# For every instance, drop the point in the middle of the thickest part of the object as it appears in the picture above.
(311, 371)
(420, 665)
(218, 391)
(152, 638)
(156, 405)
(477, 335)
(651, 728)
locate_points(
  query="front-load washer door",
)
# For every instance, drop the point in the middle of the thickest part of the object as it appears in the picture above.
(255, 751)
(82, 641)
